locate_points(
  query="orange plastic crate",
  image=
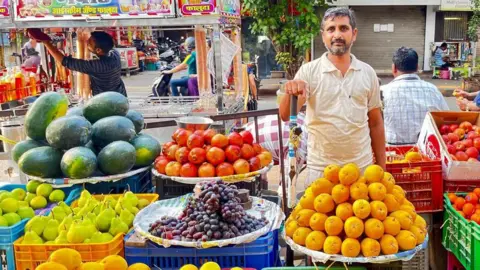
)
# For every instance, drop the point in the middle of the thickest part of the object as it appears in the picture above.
(421, 180)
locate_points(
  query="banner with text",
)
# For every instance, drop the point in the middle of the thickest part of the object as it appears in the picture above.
(197, 7)
(456, 5)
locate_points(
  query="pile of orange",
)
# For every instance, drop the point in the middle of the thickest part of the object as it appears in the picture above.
(353, 215)
(410, 156)
(468, 206)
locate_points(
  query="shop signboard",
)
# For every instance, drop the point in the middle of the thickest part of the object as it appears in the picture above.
(230, 8)
(31, 10)
(456, 5)
(197, 7)
(4, 11)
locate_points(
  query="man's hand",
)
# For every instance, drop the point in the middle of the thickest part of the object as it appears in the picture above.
(463, 103)
(296, 88)
(167, 72)
(460, 93)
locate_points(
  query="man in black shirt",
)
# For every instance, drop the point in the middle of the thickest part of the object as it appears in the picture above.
(105, 72)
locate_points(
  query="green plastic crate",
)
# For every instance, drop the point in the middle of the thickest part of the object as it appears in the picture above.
(315, 268)
(461, 237)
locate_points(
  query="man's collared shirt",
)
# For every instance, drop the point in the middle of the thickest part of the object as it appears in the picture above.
(406, 100)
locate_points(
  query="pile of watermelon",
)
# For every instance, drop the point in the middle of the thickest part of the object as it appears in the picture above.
(102, 138)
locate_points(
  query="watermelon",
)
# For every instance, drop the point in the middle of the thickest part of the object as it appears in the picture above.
(112, 128)
(79, 162)
(137, 119)
(104, 105)
(147, 150)
(116, 158)
(42, 162)
(68, 132)
(48, 107)
(78, 111)
(22, 147)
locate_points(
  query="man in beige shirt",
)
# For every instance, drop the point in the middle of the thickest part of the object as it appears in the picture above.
(343, 116)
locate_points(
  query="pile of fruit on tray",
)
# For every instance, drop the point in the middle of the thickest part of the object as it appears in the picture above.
(102, 138)
(352, 215)
(208, 154)
(467, 205)
(411, 156)
(463, 141)
(214, 214)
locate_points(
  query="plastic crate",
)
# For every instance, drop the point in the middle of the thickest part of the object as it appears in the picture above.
(9, 234)
(139, 183)
(316, 268)
(460, 185)
(418, 262)
(7, 258)
(421, 180)
(257, 254)
(150, 197)
(28, 257)
(461, 237)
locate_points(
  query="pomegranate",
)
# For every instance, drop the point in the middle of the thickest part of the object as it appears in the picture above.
(451, 149)
(182, 137)
(459, 146)
(468, 143)
(206, 170)
(265, 158)
(165, 147)
(444, 129)
(467, 126)
(220, 141)
(258, 148)
(173, 168)
(195, 140)
(453, 137)
(453, 127)
(215, 156)
(188, 170)
(460, 132)
(255, 164)
(241, 166)
(472, 152)
(476, 143)
(232, 153)
(174, 135)
(235, 138)
(247, 151)
(197, 155)
(247, 137)
(160, 164)
(208, 135)
(225, 169)
(461, 156)
(182, 155)
(171, 152)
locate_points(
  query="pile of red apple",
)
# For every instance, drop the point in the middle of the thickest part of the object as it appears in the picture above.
(463, 141)
(208, 154)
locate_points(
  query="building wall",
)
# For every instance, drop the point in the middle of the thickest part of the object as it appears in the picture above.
(376, 49)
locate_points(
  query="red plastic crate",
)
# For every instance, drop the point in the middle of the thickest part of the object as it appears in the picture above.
(421, 180)
(461, 185)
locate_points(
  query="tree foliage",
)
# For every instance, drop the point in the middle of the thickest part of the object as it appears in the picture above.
(289, 24)
(474, 21)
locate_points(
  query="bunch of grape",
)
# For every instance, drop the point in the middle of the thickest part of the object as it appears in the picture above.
(214, 215)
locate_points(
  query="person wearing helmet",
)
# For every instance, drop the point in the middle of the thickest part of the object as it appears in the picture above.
(190, 63)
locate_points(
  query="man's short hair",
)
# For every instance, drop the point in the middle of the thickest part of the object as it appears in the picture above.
(336, 12)
(444, 45)
(103, 41)
(406, 60)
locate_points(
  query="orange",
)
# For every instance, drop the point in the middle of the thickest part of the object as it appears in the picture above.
(361, 209)
(459, 202)
(348, 174)
(321, 185)
(362, 179)
(377, 191)
(476, 191)
(391, 202)
(300, 235)
(411, 210)
(308, 199)
(388, 181)
(303, 217)
(315, 240)
(452, 197)
(51, 266)
(420, 222)
(468, 209)
(114, 262)
(333, 226)
(370, 247)
(406, 240)
(379, 210)
(332, 245)
(353, 227)
(420, 233)
(388, 244)
(399, 193)
(317, 222)
(295, 211)
(392, 226)
(373, 173)
(404, 218)
(324, 203)
(344, 211)
(331, 173)
(374, 228)
(291, 227)
(359, 191)
(408, 203)
(340, 193)
(413, 157)
(350, 247)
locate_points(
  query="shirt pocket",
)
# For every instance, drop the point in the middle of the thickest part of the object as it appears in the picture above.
(356, 106)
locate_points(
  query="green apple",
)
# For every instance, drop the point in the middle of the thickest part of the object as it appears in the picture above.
(26, 212)
(5, 195)
(38, 202)
(32, 186)
(44, 190)
(19, 194)
(29, 197)
(12, 218)
(3, 222)
(9, 205)
(57, 196)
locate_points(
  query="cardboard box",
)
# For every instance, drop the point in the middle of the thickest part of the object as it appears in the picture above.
(430, 142)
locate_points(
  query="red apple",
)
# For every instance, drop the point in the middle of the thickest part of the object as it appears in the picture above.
(453, 127)
(472, 152)
(444, 129)
(459, 146)
(451, 149)
(468, 143)
(453, 137)
(472, 135)
(460, 132)
(247, 137)
(446, 139)
(461, 156)
(453, 157)
(476, 143)
(467, 126)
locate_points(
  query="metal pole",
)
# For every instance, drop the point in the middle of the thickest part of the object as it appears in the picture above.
(217, 51)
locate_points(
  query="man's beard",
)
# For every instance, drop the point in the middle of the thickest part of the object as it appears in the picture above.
(338, 50)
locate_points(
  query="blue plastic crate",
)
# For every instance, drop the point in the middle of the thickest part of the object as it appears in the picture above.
(139, 183)
(7, 258)
(9, 234)
(257, 254)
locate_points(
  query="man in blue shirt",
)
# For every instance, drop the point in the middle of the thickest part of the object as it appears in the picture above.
(189, 63)
(440, 54)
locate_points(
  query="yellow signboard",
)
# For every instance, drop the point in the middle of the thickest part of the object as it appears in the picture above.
(456, 5)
